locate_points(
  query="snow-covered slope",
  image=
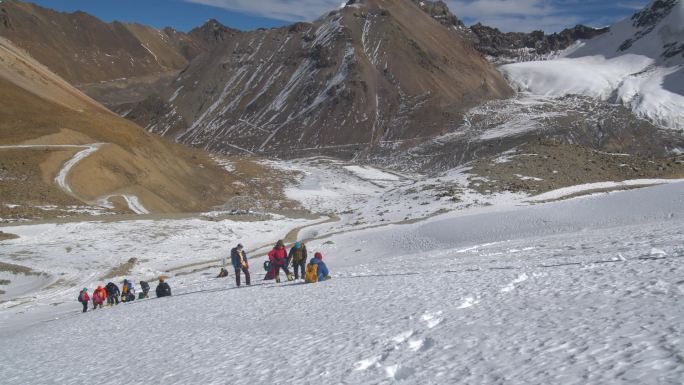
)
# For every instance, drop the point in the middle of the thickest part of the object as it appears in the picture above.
(656, 32)
(639, 63)
(575, 292)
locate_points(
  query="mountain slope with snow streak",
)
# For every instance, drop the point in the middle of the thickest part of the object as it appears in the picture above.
(371, 72)
(44, 119)
(639, 63)
(577, 296)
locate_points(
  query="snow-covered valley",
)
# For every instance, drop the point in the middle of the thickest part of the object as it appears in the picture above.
(586, 290)
(473, 234)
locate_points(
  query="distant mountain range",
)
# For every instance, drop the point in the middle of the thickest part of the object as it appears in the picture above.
(62, 153)
(113, 62)
(371, 79)
(510, 47)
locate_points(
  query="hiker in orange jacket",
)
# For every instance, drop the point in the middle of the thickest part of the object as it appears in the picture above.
(99, 296)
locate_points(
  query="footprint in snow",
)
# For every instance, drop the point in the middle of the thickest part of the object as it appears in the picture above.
(416, 344)
(431, 319)
(468, 302)
(399, 372)
(511, 286)
(402, 337)
(372, 362)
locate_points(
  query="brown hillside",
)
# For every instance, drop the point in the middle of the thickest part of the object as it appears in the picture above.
(39, 108)
(98, 56)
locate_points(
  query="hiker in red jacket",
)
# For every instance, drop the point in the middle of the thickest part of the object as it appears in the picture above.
(83, 298)
(278, 258)
(99, 296)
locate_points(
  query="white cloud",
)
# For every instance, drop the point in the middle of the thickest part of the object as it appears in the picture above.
(498, 8)
(547, 24)
(507, 15)
(514, 15)
(635, 6)
(288, 10)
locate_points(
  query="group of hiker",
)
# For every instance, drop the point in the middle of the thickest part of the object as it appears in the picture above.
(278, 259)
(111, 293)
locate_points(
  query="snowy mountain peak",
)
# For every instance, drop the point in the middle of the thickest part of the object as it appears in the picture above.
(654, 13)
(639, 63)
(649, 18)
(657, 31)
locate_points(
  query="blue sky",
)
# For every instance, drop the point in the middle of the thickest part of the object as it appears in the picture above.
(508, 15)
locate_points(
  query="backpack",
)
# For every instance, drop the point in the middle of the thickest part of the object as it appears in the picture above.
(311, 275)
(267, 265)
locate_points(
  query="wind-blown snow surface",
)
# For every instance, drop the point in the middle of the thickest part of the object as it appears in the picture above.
(574, 292)
(639, 63)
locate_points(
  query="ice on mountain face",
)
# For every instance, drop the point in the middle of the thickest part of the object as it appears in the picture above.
(652, 32)
(638, 63)
(651, 92)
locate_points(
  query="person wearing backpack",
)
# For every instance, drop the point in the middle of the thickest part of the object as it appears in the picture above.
(145, 289)
(163, 289)
(238, 257)
(113, 294)
(99, 296)
(84, 298)
(124, 290)
(298, 257)
(316, 270)
(127, 291)
(278, 258)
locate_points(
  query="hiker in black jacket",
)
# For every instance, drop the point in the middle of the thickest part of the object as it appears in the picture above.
(163, 289)
(145, 289)
(238, 258)
(113, 294)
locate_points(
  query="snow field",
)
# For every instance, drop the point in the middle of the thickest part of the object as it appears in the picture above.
(489, 315)
(573, 292)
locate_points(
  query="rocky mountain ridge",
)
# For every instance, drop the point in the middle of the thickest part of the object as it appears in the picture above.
(372, 72)
(64, 154)
(509, 47)
(112, 62)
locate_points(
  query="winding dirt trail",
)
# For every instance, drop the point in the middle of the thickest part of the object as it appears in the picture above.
(132, 201)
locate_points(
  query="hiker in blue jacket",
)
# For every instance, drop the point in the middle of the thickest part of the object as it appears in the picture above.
(323, 273)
